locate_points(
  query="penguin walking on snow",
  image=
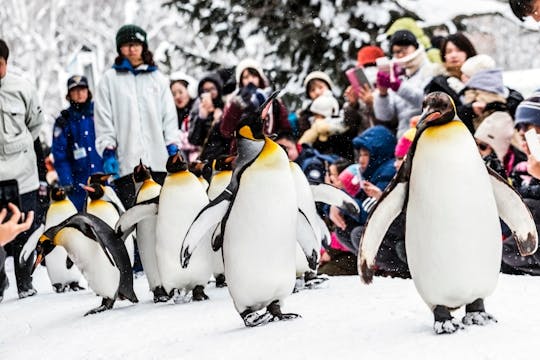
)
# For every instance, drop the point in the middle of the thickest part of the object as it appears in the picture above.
(453, 203)
(62, 273)
(258, 214)
(143, 217)
(182, 197)
(98, 252)
(103, 202)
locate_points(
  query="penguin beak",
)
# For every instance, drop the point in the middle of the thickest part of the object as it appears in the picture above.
(428, 116)
(43, 248)
(87, 188)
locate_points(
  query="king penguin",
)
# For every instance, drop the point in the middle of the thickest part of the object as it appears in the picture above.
(103, 202)
(98, 252)
(258, 214)
(453, 203)
(142, 217)
(62, 273)
(181, 199)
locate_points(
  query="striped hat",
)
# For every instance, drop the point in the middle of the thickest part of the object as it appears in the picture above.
(528, 111)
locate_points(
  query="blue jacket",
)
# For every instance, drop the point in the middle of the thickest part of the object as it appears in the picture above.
(380, 142)
(74, 149)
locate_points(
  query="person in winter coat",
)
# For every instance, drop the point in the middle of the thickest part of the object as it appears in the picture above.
(527, 118)
(494, 140)
(401, 85)
(206, 118)
(376, 159)
(74, 141)
(484, 91)
(358, 107)
(524, 8)
(21, 118)
(180, 86)
(251, 94)
(455, 50)
(316, 83)
(135, 116)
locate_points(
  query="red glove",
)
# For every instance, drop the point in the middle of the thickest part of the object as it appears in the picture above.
(383, 80)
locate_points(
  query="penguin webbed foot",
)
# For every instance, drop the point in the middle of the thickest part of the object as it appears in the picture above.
(198, 293)
(253, 318)
(478, 318)
(181, 296)
(106, 304)
(160, 295)
(74, 286)
(59, 288)
(313, 280)
(445, 323)
(220, 281)
(475, 314)
(275, 310)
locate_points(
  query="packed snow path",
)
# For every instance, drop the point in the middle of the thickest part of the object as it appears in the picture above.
(385, 320)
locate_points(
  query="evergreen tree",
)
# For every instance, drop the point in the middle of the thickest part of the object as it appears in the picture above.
(293, 37)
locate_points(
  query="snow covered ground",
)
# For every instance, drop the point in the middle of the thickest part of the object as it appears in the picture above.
(346, 320)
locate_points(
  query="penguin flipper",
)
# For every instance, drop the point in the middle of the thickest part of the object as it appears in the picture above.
(30, 245)
(384, 213)
(307, 239)
(331, 195)
(94, 228)
(513, 211)
(207, 218)
(128, 221)
(325, 233)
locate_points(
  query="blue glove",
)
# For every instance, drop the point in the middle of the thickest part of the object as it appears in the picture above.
(172, 149)
(110, 163)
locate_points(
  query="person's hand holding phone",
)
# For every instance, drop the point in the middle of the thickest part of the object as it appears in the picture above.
(206, 105)
(11, 228)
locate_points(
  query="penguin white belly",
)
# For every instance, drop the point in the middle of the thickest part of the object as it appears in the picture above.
(181, 199)
(56, 260)
(453, 234)
(103, 278)
(146, 241)
(260, 238)
(107, 212)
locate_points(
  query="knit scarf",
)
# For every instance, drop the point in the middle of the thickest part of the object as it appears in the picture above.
(411, 63)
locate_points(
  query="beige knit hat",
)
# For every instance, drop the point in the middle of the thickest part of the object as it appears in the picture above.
(496, 130)
(477, 63)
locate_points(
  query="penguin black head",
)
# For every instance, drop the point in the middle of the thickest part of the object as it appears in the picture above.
(223, 163)
(438, 108)
(94, 190)
(58, 193)
(44, 246)
(98, 178)
(201, 168)
(141, 173)
(251, 121)
(176, 163)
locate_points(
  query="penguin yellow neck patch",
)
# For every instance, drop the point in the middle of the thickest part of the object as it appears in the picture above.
(445, 130)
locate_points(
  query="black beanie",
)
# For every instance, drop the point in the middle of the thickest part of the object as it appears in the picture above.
(130, 33)
(403, 38)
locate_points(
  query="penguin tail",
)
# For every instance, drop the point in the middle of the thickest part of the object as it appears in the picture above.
(366, 273)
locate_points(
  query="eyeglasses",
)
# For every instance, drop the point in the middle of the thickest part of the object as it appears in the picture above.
(209, 89)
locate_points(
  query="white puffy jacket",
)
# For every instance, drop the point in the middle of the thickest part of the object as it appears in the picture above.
(136, 115)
